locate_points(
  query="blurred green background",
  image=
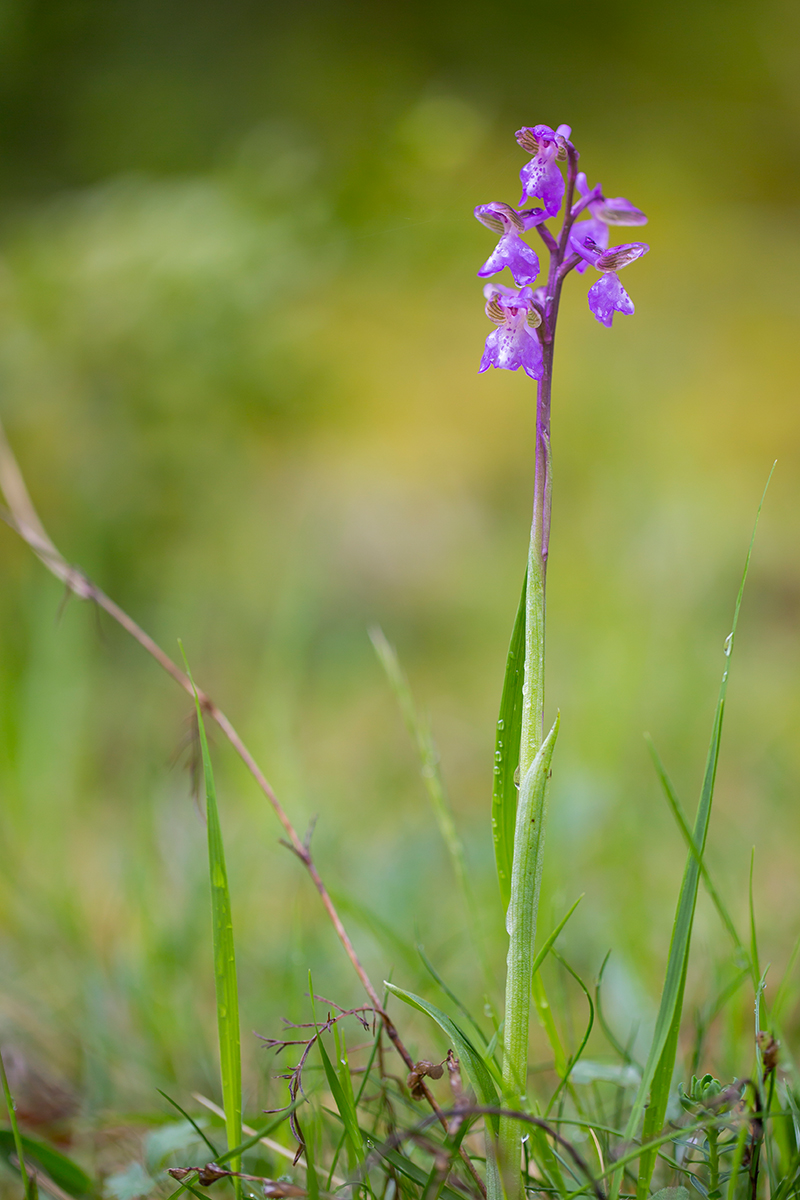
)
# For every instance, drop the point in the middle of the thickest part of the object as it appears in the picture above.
(239, 335)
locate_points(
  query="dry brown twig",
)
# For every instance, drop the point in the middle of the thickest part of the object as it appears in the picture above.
(294, 1077)
(23, 518)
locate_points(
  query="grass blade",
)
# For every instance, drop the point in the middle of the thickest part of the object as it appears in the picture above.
(312, 1179)
(230, 1054)
(345, 1106)
(65, 1173)
(547, 1021)
(548, 945)
(657, 1073)
(611, 1037)
(405, 1166)
(432, 777)
(28, 1184)
(574, 1058)
(429, 967)
(380, 930)
(192, 1122)
(782, 993)
(506, 754)
(683, 825)
(753, 937)
(260, 1134)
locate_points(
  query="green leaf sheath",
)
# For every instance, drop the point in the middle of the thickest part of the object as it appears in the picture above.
(521, 926)
(506, 754)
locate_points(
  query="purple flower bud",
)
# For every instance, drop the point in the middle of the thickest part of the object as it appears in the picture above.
(608, 296)
(589, 239)
(541, 177)
(514, 343)
(510, 251)
(619, 211)
(616, 211)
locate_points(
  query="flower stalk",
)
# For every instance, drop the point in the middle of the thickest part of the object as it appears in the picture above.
(525, 337)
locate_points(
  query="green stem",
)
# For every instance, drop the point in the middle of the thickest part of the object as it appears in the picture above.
(529, 831)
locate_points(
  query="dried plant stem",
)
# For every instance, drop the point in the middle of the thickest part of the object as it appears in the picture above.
(24, 520)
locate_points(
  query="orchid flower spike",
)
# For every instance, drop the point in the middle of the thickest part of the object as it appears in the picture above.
(542, 177)
(525, 319)
(510, 251)
(514, 343)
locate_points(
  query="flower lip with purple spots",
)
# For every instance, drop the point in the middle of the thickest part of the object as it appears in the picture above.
(608, 296)
(514, 342)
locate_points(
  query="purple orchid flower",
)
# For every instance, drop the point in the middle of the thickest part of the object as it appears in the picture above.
(510, 251)
(514, 343)
(583, 241)
(607, 295)
(603, 212)
(541, 177)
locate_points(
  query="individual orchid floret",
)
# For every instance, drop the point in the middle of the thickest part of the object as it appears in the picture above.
(589, 239)
(510, 251)
(613, 211)
(514, 343)
(592, 234)
(542, 177)
(608, 296)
